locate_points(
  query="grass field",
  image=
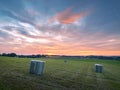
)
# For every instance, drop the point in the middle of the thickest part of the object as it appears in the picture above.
(76, 74)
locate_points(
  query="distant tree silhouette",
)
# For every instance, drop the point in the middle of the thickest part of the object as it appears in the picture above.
(12, 54)
(9, 54)
(3, 54)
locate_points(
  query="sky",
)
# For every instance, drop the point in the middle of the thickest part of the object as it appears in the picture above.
(60, 27)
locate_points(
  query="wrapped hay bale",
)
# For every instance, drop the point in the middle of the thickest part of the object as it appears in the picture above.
(98, 68)
(37, 67)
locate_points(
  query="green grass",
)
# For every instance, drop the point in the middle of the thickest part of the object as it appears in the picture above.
(76, 74)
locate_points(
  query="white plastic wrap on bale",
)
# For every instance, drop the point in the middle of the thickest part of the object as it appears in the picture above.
(37, 67)
(98, 68)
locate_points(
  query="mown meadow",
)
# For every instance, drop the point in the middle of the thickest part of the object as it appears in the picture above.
(75, 74)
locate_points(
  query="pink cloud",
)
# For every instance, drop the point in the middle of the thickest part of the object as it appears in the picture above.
(68, 16)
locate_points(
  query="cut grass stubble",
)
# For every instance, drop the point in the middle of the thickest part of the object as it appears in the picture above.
(76, 74)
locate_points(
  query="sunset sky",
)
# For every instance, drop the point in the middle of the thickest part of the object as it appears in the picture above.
(60, 27)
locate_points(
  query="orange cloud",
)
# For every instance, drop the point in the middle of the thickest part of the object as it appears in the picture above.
(68, 16)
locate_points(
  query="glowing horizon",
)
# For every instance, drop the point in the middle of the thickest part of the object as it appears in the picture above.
(57, 27)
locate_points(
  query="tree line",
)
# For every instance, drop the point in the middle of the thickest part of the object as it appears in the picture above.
(22, 56)
(81, 57)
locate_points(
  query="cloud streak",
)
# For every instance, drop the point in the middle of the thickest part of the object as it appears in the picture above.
(68, 16)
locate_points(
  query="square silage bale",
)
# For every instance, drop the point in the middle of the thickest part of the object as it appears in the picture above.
(37, 67)
(65, 61)
(32, 66)
(98, 68)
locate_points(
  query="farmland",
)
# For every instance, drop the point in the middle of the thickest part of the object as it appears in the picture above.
(75, 74)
